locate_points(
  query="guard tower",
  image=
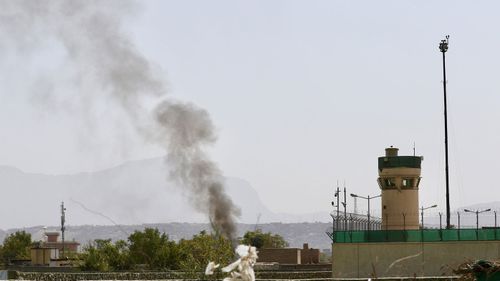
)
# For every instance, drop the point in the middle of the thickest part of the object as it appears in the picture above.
(399, 179)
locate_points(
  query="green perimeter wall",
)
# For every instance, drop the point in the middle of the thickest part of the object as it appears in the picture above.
(394, 259)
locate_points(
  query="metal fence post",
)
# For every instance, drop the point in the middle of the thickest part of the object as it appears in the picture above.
(351, 228)
(404, 227)
(495, 224)
(440, 227)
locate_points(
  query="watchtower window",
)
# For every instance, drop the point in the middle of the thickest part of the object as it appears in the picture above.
(390, 182)
(408, 183)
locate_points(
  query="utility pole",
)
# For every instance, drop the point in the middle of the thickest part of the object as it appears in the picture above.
(443, 47)
(345, 208)
(63, 228)
(337, 194)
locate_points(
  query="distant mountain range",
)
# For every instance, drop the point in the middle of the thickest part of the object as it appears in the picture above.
(113, 203)
(134, 193)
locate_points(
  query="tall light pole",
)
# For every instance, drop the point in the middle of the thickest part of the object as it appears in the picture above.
(477, 212)
(422, 213)
(443, 47)
(367, 198)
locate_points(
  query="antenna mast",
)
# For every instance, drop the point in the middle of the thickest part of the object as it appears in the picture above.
(443, 47)
(63, 228)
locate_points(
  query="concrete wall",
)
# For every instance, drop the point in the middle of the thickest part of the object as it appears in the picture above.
(363, 260)
(261, 276)
(168, 275)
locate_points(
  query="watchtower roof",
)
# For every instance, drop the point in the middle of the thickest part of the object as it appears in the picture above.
(399, 162)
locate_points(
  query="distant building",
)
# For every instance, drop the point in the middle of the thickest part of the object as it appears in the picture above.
(49, 252)
(52, 241)
(309, 255)
(43, 256)
(305, 255)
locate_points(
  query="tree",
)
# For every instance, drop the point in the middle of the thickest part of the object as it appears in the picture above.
(93, 258)
(153, 249)
(259, 239)
(197, 252)
(16, 246)
(102, 255)
(119, 256)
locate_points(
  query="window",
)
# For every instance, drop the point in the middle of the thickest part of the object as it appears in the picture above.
(408, 183)
(389, 182)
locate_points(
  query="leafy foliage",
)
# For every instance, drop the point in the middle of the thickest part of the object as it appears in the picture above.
(203, 248)
(153, 249)
(16, 246)
(259, 239)
(148, 249)
(102, 255)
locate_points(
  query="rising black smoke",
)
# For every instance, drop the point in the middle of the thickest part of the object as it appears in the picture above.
(99, 52)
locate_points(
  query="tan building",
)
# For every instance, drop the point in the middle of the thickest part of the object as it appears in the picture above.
(49, 252)
(280, 255)
(43, 256)
(399, 180)
(309, 255)
(305, 255)
(54, 242)
(401, 248)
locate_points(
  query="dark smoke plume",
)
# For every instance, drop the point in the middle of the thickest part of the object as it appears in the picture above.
(98, 50)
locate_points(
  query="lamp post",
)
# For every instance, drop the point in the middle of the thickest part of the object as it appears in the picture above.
(495, 219)
(477, 215)
(422, 213)
(443, 47)
(367, 198)
(440, 224)
(495, 224)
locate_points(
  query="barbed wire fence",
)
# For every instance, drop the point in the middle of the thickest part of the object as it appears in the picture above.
(460, 220)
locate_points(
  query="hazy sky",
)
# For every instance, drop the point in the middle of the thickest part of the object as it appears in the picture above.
(303, 93)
